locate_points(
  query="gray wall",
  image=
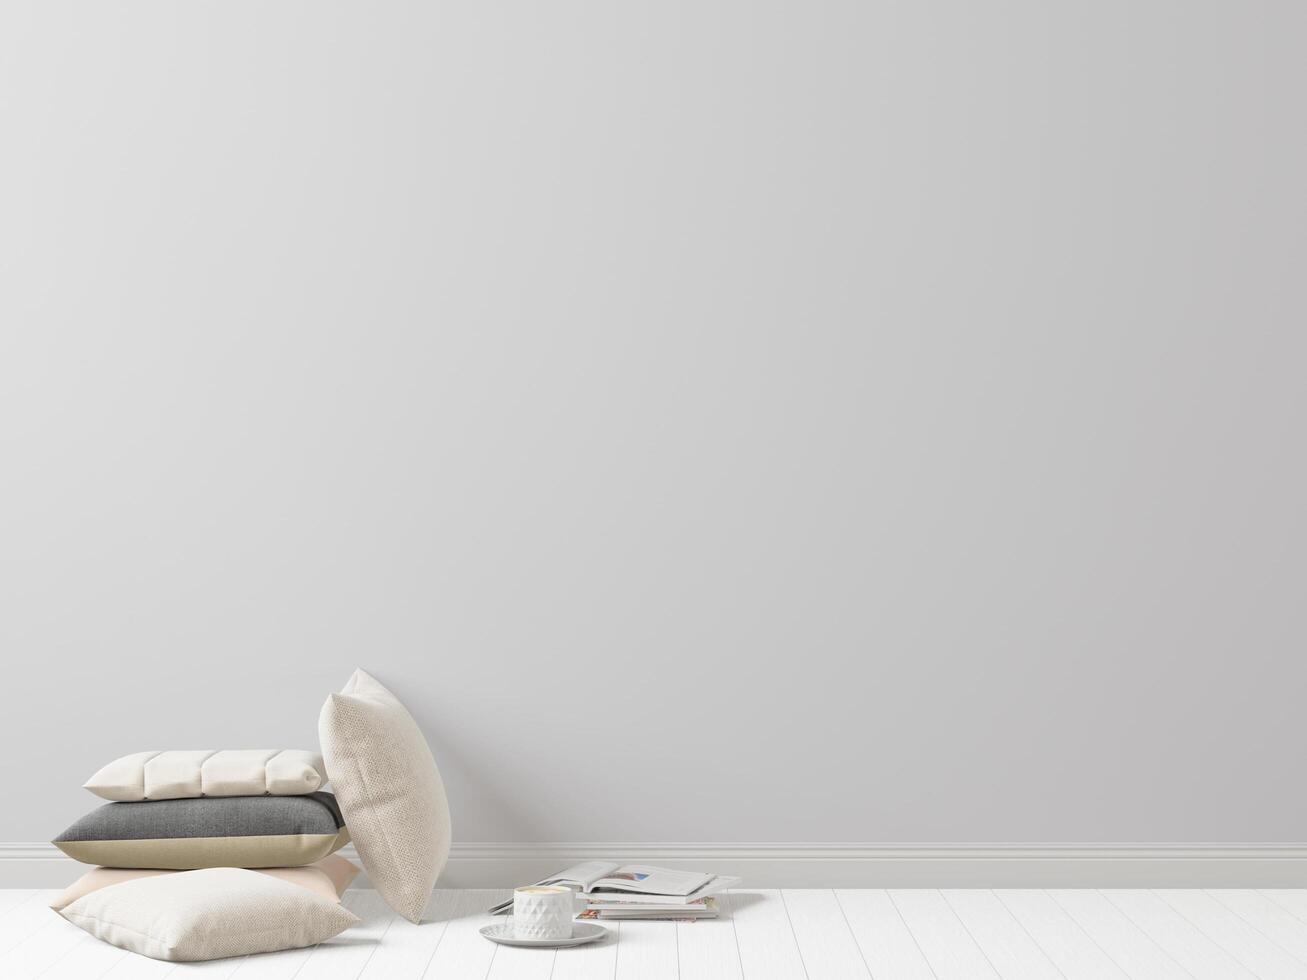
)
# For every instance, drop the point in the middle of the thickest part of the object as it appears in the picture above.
(892, 412)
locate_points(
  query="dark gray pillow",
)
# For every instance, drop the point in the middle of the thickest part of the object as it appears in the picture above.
(209, 832)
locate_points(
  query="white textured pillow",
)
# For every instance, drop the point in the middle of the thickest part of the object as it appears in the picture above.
(205, 915)
(389, 791)
(327, 878)
(188, 774)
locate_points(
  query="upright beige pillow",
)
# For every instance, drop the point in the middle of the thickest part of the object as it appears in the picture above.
(205, 915)
(389, 791)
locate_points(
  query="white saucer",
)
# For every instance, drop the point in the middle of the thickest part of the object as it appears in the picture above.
(582, 932)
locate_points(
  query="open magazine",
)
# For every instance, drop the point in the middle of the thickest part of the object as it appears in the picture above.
(635, 881)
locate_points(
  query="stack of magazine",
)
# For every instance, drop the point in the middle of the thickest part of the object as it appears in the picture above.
(638, 891)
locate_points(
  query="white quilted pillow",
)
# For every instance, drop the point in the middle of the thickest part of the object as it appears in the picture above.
(229, 772)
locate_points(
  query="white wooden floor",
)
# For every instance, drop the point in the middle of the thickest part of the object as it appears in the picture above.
(800, 934)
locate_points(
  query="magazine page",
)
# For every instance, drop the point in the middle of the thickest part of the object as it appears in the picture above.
(581, 875)
(615, 902)
(715, 884)
(650, 880)
(584, 874)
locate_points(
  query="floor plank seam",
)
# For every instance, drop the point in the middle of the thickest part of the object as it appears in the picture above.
(925, 959)
(1194, 925)
(373, 952)
(1142, 931)
(59, 959)
(312, 953)
(444, 931)
(797, 945)
(676, 938)
(965, 928)
(1271, 898)
(1038, 945)
(1112, 959)
(849, 926)
(1253, 926)
(735, 932)
(30, 937)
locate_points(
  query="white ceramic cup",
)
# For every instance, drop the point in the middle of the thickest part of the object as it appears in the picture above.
(542, 912)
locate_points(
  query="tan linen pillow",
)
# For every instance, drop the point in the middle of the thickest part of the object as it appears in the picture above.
(327, 878)
(205, 915)
(389, 791)
(187, 774)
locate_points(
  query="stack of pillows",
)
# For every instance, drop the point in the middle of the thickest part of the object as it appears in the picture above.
(209, 854)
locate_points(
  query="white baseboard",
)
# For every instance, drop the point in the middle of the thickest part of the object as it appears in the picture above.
(474, 865)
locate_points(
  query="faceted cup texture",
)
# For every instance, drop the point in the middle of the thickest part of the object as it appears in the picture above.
(542, 915)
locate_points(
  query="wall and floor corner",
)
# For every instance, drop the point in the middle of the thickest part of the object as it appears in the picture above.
(894, 411)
